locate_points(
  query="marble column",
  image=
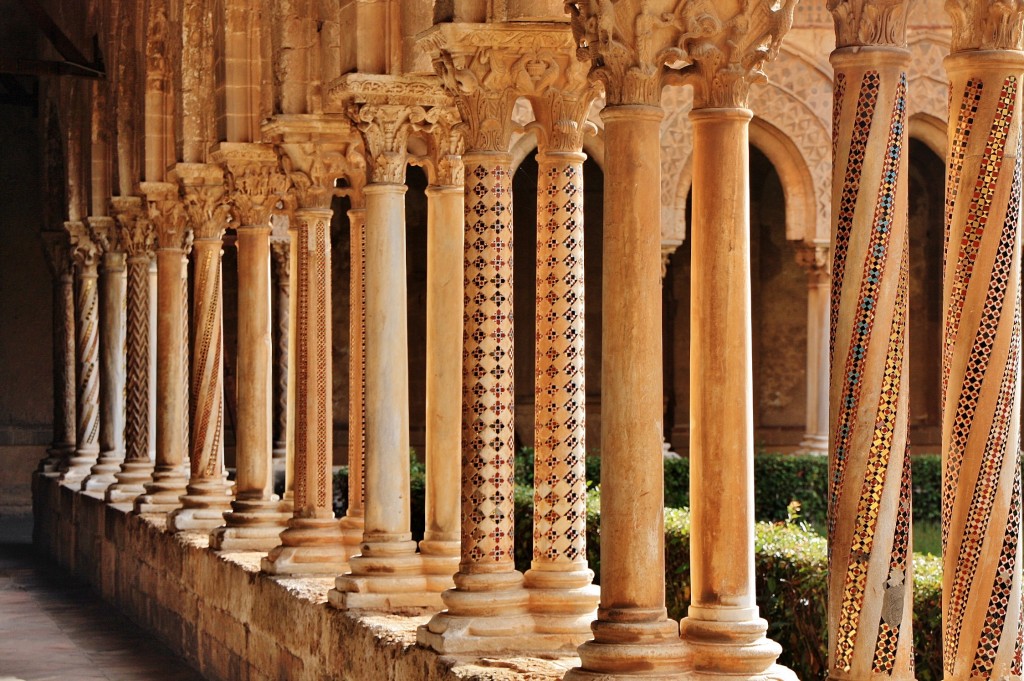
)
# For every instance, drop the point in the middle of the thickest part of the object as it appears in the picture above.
(58, 257)
(981, 393)
(136, 235)
(562, 597)
(870, 575)
(208, 493)
(256, 519)
(280, 257)
(815, 261)
(352, 522)
(170, 474)
(112, 285)
(86, 255)
(312, 544)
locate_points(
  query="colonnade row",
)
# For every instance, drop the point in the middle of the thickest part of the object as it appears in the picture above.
(458, 124)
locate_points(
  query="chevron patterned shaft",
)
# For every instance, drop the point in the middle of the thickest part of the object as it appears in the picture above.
(137, 378)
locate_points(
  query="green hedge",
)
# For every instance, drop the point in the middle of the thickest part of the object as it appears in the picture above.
(790, 560)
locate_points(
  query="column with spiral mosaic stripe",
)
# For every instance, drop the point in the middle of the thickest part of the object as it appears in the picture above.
(870, 583)
(562, 596)
(981, 496)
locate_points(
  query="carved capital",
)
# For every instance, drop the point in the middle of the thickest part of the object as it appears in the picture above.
(158, 70)
(254, 179)
(561, 117)
(385, 129)
(727, 54)
(58, 252)
(166, 212)
(205, 199)
(441, 129)
(103, 232)
(84, 251)
(870, 22)
(986, 24)
(134, 229)
(815, 259)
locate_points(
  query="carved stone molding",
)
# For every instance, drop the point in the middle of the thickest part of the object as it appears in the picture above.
(158, 70)
(986, 25)
(166, 212)
(85, 252)
(205, 198)
(870, 22)
(135, 232)
(254, 180)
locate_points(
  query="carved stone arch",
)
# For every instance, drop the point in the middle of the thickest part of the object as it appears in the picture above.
(927, 84)
(931, 131)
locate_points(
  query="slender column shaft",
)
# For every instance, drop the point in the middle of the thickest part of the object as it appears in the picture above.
(66, 292)
(186, 359)
(151, 383)
(818, 368)
(981, 502)
(63, 356)
(356, 370)
(445, 225)
(293, 405)
(870, 592)
(87, 445)
(280, 252)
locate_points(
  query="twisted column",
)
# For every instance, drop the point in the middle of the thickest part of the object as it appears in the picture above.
(814, 260)
(208, 493)
(352, 522)
(256, 518)
(981, 496)
(112, 355)
(870, 583)
(58, 257)
(136, 235)
(562, 597)
(167, 214)
(86, 255)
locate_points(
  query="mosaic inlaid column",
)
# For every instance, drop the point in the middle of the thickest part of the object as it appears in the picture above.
(562, 597)
(58, 257)
(352, 522)
(256, 519)
(208, 493)
(86, 255)
(981, 496)
(280, 255)
(312, 542)
(112, 358)
(870, 575)
(814, 259)
(136, 235)
(170, 473)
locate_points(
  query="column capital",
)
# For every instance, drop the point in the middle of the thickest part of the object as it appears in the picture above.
(57, 250)
(486, 67)
(205, 202)
(561, 114)
(986, 25)
(815, 259)
(166, 212)
(254, 179)
(441, 128)
(85, 252)
(881, 23)
(134, 229)
(103, 232)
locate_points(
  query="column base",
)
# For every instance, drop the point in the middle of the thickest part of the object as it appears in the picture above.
(131, 482)
(78, 468)
(735, 648)
(203, 506)
(56, 456)
(388, 576)
(251, 525)
(102, 474)
(814, 444)
(310, 546)
(163, 493)
(647, 647)
(563, 601)
(352, 531)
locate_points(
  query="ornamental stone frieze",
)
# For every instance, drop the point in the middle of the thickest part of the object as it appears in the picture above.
(870, 22)
(984, 25)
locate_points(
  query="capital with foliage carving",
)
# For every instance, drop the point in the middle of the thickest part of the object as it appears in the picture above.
(84, 250)
(205, 199)
(58, 252)
(254, 179)
(103, 232)
(134, 229)
(986, 24)
(166, 212)
(870, 22)
(561, 116)
(441, 128)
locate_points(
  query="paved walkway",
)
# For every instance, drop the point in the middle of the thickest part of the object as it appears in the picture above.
(52, 627)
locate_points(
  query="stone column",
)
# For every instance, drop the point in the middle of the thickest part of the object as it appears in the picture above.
(170, 475)
(313, 542)
(352, 522)
(981, 496)
(208, 492)
(562, 596)
(815, 261)
(279, 258)
(870, 582)
(388, 572)
(112, 284)
(58, 257)
(136, 235)
(86, 255)
(256, 519)
(722, 626)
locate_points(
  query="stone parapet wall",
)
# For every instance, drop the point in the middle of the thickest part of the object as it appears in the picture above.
(226, 618)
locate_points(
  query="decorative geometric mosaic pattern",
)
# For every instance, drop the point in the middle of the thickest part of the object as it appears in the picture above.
(88, 348)
(986, 487)
(186, 411)
(897, 583)
(958, 146)
(300, 241)
(357, 362)
(970, 242)
(488, 397)
(876, 254)
(838, 93)
(320, 348)
(208, 368)
(560, 480)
